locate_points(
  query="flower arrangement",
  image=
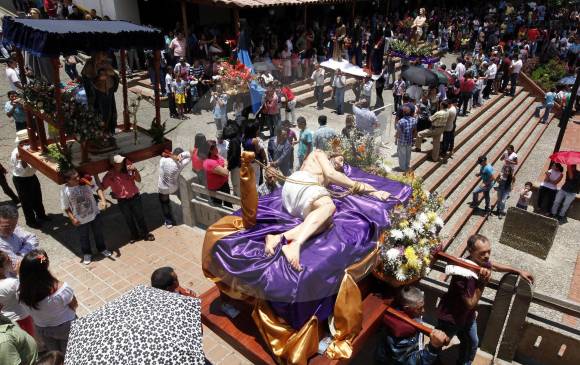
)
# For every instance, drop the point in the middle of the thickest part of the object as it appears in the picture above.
(406, 50)
(79, 120)
(360, 150)
(235, 78)
(407, 247)
(40, 96)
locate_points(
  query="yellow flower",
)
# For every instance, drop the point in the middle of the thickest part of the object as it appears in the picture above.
(412, 259)
(431, 216)
(426, 260)
(423, 242)
(404, 224)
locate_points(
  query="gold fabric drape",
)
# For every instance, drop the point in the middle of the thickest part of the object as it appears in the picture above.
(292, 347)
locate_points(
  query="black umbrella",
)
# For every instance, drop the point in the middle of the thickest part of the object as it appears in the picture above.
(420, 76)
(143, 326)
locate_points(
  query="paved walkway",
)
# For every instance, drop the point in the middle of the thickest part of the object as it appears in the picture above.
(107, 278)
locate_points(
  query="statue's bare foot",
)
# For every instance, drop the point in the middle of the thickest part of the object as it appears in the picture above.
(292, 253)
(272, 240)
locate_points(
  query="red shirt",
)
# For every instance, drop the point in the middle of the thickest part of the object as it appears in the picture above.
(288, 94)
(466, 85)
(50, 8)
(196, 162)
(533, 34)
(122, 184)
(214, 181)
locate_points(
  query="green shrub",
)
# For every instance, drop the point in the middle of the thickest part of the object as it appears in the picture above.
(547, 75)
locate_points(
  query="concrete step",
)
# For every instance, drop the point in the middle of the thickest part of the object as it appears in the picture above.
(308, 97)
(437, 173)
(148, 93)
(527, 141)
(307, 86)
(464, 122)
(524, 135)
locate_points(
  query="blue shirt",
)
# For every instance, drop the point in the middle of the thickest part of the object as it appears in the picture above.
(305, 140)
(322, 136)
(405, 127)
(219, 111)
(550, 98)
(18, 114)
(486, 174)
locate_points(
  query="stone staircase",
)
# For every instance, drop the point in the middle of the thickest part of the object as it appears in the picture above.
(502, 121)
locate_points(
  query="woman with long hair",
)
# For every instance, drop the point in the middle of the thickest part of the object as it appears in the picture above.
(198, 154)
(52, 303)
(9, 304)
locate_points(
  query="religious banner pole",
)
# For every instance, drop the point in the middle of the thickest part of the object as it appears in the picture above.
(157, 71)
(123, 71)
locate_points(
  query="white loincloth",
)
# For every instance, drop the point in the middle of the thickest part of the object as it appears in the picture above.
(298, 198)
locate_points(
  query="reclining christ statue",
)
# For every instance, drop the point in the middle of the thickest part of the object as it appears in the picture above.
(305, 196)
(330, 212)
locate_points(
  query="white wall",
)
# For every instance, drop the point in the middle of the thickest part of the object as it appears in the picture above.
(116, 9)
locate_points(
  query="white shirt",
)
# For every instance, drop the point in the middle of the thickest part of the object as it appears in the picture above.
(318, 77)
(339, 82)
(517, 66)
(223, 148)
(13, 78)
(554, 175)
(11, 308)
(17, 166)
(460, 69)
(80, 200)
(168, 83)
(452, 110)
(365, 119)
(367, 89)
(169, 171)
(415, 92)
(54, 310)
(511, 159)
(492, 71)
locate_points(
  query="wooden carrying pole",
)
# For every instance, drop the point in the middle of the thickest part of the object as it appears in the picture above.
(32, 140)
(58, 99)
(157, 65)
(123, 70)
(403, 317)
(457, 261)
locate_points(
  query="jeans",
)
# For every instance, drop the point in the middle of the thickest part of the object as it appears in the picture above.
(404, 154)
(513, 82)
(482, 189)
(475, 97)
(272, 122)
(502, 196)
(562, 201)
(339, 99)
(96, 225)
(548, 109)
(132, 210)
(467, 335)
(319, 95)
(30, 194)
(235, 177)
(448, 141)
(172, 107)
(165, 202)
(398, 102)
(487, 89)
(54, 338)
(464, 102)
(225, 188)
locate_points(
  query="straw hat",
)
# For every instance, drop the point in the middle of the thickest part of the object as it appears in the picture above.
(21, 136)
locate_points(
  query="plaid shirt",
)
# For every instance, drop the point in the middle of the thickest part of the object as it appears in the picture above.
(405, 127)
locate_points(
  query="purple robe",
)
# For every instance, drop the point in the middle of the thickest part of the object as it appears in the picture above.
(296, 296)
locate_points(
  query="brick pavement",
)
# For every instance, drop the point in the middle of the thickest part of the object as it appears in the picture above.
(107, 278)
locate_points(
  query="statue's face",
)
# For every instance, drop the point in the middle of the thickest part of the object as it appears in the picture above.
(338, 163)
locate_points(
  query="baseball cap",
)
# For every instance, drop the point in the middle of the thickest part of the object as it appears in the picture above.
(118, 159)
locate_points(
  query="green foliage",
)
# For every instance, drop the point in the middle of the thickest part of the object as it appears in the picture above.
(548, 74)
(61, 157)
(81, 121)
(406, 48)
(40, 96)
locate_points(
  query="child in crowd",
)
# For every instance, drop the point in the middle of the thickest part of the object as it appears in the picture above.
(79, 204)
(179, 90)
(525, 196)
